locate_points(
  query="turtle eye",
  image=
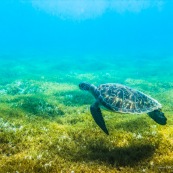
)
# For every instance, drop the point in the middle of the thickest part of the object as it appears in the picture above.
(84, 86)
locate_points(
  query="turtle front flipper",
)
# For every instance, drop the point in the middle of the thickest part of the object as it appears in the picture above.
(97, 115)
(158, 117)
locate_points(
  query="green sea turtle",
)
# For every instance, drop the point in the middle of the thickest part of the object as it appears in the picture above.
(123, 99)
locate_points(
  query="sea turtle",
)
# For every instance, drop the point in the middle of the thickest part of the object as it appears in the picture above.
(123, 99)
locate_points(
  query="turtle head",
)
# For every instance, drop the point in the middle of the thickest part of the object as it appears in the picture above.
(84, 86)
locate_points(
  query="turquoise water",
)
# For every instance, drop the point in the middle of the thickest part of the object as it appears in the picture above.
(47, 48)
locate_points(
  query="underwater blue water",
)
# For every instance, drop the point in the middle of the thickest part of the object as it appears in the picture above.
(142, 30)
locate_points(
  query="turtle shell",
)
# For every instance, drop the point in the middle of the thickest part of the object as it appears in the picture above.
(120, 98)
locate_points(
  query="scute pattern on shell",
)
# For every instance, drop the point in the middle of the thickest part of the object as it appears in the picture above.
(123, 99)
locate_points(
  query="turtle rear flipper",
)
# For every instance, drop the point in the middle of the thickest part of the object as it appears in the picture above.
(158, 117)
(97, 115)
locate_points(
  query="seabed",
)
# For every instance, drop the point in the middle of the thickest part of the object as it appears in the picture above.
(46, 125)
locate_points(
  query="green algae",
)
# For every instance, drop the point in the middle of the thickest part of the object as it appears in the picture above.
(46, 126)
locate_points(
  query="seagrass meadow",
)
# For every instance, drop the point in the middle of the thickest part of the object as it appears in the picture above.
(46, 125)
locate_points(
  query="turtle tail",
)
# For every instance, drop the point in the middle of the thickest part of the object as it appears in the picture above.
(158, 117)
